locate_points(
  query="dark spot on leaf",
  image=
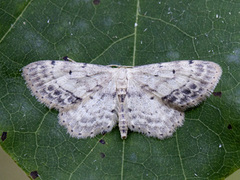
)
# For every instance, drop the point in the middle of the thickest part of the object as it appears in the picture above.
(34, 174)
(4, 136)
(102, 141)
(219, 94)
(65, 58)
(96, 2)
(229, 126)
(102, 155)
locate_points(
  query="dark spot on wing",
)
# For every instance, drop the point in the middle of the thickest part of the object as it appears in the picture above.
(50, 97)
(43, 91)
(60, 100)
(129, 109)
(203, 82)
(90, 97)
(190, 62)
(219, 94)
(229, 126)
(144, 86)
(184, 99)
(4, 136)
(114, 94)
(50, 88)
(39, 84)
(36, 79)
(34, 174)
(70, 99)
(173, 71)
(194, 95)
(172, 99)
(57, 92)
(113, 111)
(102, 97)
(122, 97)
(186, 91)
(70, 72)
(79, 99)
(53, 62)
(156, 75)
(84, 65)
(152, 97)
(193, 86)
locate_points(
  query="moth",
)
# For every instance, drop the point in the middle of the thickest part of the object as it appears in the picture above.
(150, 99)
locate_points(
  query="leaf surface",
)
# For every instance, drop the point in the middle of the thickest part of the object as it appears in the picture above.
(127, 33)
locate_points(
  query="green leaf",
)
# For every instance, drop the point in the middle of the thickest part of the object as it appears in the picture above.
(127, 33)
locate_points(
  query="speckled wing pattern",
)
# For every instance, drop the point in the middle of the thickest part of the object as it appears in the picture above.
(159, 94)
(92, 99)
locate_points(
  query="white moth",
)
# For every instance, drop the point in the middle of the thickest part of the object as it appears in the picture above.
(92, 99)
